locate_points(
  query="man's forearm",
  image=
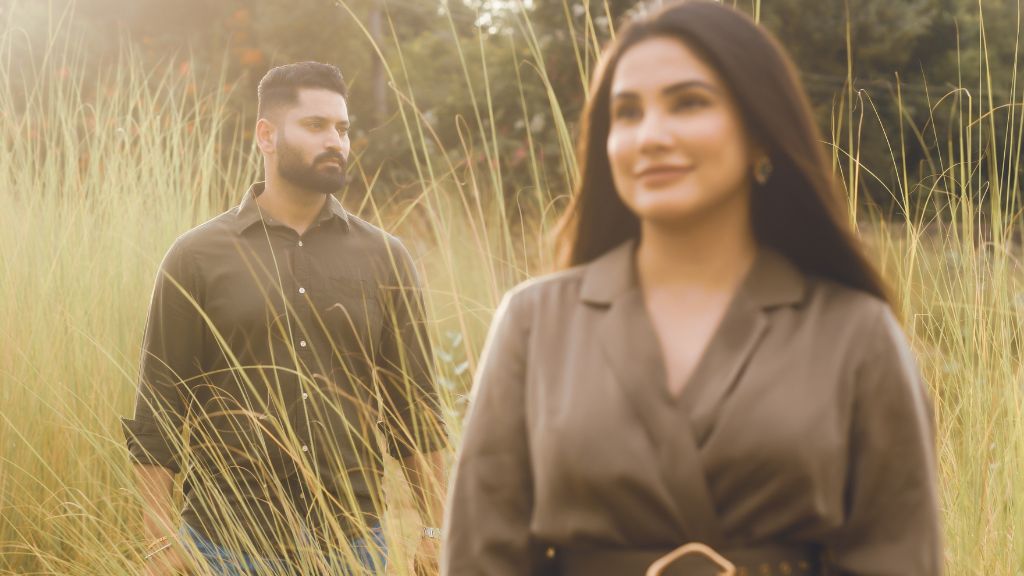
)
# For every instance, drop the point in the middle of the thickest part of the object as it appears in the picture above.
(156, 484)
(426, 476)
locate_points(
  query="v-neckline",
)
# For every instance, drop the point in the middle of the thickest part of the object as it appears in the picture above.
(689, 379)
(633, 347)
(678, 427)
(682, 397)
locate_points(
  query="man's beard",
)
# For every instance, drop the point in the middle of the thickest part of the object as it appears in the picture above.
(307, 176)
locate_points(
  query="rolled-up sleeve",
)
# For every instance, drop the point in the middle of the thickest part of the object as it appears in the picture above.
(171, 362)
(892, 522)
(491, 496)
(412, 409)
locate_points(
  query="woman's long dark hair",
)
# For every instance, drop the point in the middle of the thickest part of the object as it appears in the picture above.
(800, 211)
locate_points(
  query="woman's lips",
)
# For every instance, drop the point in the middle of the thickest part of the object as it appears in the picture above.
(662, 175)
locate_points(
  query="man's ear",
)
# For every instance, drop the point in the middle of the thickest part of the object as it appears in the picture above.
(266, 136)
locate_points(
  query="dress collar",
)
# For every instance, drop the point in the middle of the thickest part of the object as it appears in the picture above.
(772, 280)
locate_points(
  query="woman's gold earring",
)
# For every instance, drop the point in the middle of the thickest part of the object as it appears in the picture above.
(763, 170)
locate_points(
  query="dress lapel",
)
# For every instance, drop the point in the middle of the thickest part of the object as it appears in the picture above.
(677, 430)
(771, 282)
(722, 364)
(630, 348)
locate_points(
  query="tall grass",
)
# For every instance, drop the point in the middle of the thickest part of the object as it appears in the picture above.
(98, 176)
(97, 179)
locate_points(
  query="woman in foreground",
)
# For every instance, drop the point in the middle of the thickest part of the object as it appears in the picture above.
(718, 362)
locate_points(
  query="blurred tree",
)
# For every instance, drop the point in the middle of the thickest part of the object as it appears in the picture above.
(493, 78)
(929, 47)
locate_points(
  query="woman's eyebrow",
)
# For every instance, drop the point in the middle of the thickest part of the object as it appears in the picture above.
(669, 90)
(688, 84)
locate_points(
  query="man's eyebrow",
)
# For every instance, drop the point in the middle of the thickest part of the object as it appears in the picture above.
(668, 90)
(316, 118)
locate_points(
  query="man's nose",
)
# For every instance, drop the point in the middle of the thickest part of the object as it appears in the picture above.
(335, 141)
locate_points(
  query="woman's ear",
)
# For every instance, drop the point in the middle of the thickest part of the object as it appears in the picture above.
(756, 148)
(761, 164)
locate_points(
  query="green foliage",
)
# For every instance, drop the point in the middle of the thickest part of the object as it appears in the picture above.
(531, 61)
(884, 35)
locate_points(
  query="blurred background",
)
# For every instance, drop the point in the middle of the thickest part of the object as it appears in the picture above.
(448, 57)
(126, 122)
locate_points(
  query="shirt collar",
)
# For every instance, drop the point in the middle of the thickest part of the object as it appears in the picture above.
(249, 212)
(772, 280)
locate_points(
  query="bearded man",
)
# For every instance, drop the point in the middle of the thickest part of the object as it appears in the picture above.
(285, 353)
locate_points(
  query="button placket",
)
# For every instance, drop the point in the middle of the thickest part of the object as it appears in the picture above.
(303, 305)
(301, 269)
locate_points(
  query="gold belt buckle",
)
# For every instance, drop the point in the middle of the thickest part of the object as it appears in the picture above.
(659, 565)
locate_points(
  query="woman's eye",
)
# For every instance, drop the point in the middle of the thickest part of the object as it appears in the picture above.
(626, 113)
(690, 103)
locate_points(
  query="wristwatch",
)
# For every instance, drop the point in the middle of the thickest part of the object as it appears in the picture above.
(157, 546)
(433, 533)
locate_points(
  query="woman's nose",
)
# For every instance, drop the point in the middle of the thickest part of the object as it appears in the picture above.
(654, 132)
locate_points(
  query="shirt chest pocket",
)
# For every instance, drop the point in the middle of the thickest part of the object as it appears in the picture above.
(348, 311)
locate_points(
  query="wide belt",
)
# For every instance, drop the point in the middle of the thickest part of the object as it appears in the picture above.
(773, 560)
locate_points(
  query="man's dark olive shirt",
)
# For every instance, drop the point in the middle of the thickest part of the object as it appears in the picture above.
(276, 366)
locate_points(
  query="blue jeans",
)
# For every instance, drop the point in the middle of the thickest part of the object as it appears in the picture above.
(372, 558)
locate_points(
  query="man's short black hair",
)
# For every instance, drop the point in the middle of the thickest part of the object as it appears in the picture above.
(281, 85)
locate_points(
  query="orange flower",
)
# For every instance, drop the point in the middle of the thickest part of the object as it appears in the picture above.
(251, 57)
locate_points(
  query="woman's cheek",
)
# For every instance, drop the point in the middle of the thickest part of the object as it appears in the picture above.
(620, 163)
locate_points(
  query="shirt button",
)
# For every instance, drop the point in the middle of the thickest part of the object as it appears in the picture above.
(304, 395)
(305, 448)
(300, 243)
(302, 290)
(302, 343)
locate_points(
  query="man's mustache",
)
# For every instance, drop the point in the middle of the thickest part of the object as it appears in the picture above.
(331, 156)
